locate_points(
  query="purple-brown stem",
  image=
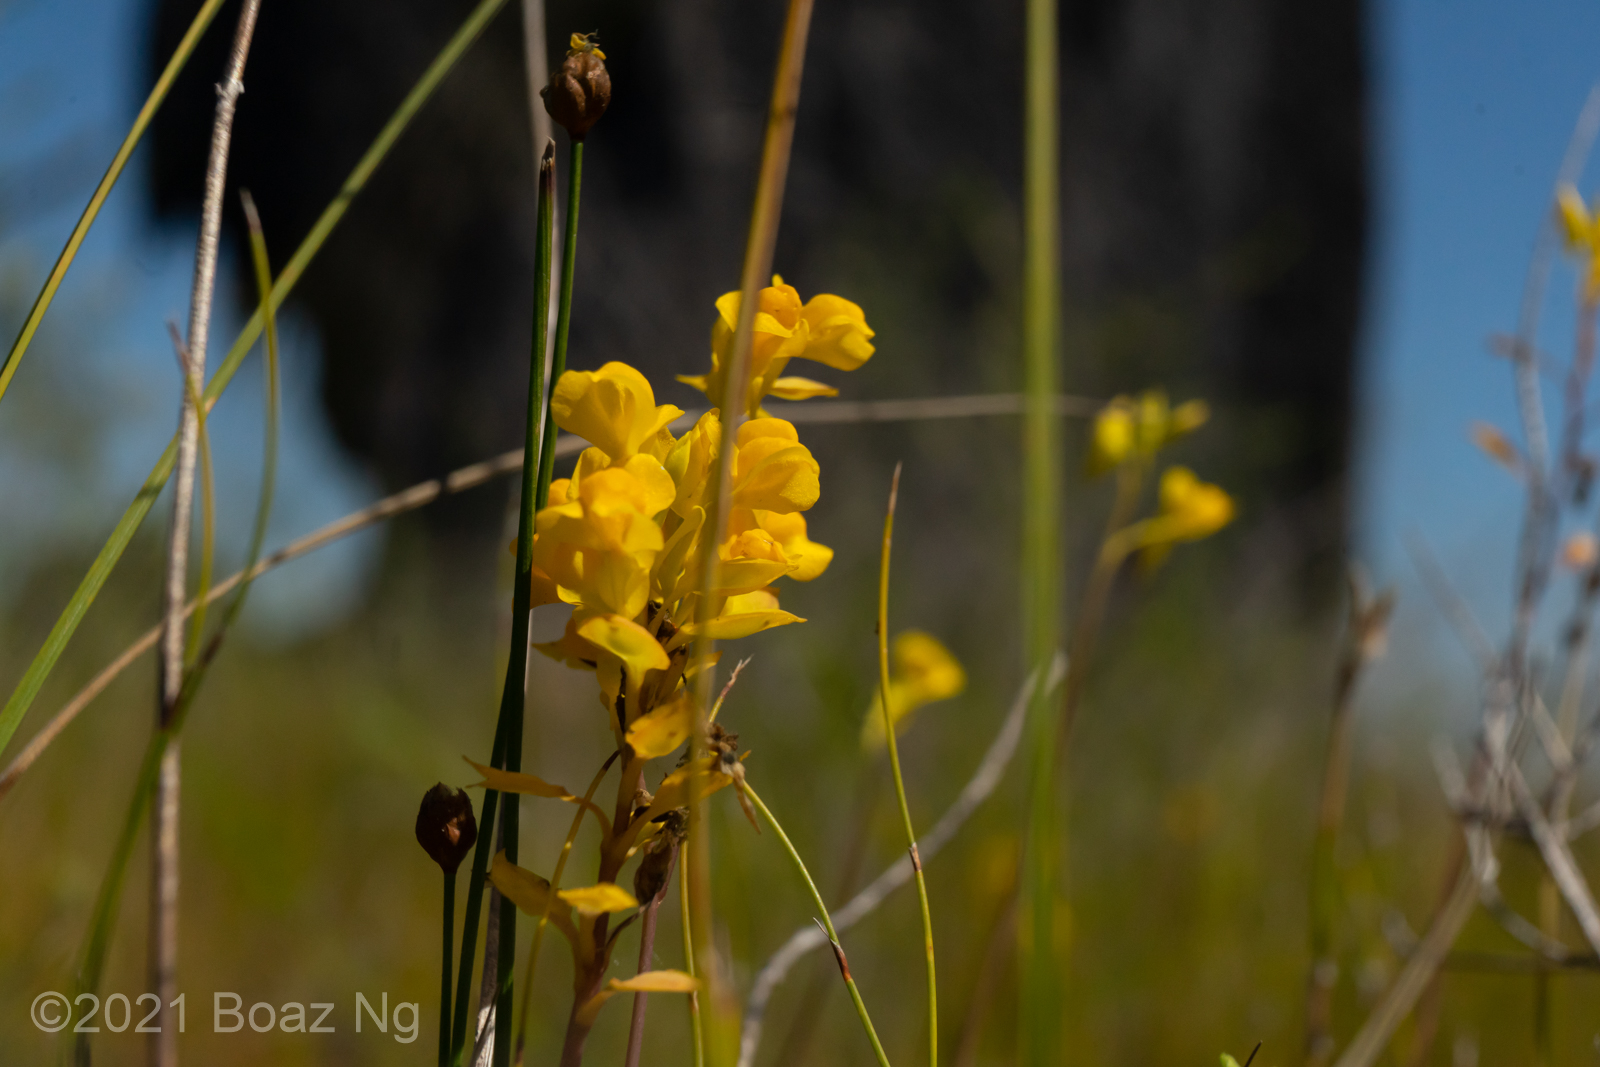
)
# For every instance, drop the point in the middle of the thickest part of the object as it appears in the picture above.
(647, 949)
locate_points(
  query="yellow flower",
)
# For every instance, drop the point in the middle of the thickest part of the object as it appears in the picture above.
(1128, 429)
(612, 408)
(924, 672)
(772, 470)
(1189, 511)
(579, 43)
(599, 549)
(1581, 227)
(827, 329)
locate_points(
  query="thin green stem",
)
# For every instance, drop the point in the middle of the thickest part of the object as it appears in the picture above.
(1041, 549)
(894, 764)
(469, 920)
(696, 1025)
(448, 925)
(152, 104)
(534, 490)
(569, 264)
(66, 625)
(827, 924)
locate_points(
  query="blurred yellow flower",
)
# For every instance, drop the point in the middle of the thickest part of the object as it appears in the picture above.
(1189, 511)
(1128, 429)
(1581, 228)
(923, 671)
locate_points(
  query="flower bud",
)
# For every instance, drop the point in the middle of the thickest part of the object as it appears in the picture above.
(446, 829)
(580, 88)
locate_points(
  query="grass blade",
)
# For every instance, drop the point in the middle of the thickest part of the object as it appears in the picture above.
(1041, 519)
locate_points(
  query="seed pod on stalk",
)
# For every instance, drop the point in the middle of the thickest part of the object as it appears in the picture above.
(446, 828)
(580, 89)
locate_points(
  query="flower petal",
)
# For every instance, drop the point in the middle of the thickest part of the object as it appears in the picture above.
(663, 729)
(599, 899)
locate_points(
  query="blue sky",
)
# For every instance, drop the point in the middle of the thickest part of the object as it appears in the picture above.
(1473, 103)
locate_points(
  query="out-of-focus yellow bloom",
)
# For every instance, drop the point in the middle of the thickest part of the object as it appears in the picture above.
(1189, 511)
(1136, 429)
(923, 671)
(1581, 228)
(826, 329)
(598, 899)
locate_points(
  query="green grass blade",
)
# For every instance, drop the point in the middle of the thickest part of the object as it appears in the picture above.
(44, 662)
(1041, 519)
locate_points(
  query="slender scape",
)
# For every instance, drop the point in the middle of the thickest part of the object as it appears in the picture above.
(894, 764)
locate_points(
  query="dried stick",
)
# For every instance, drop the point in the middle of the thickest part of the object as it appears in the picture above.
(1398, 1000)
(975, 792)
(163, 951)
(1363, 640)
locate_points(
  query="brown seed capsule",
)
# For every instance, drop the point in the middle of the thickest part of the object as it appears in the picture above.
(650, 878)
(446, 829)
(580, 88)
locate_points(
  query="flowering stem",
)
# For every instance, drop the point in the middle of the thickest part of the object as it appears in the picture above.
(647, 948)
(894, 764)
(513, 697)
(827, 924)
(448, 925)
(544, 917)
(1041, 519)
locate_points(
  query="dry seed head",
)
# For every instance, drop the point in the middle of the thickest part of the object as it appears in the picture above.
(580, 89)
(446, 828)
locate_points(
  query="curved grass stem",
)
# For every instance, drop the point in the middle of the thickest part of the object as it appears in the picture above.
(894, 764)
(827, 924)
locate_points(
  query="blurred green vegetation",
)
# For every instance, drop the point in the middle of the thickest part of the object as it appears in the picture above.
(1190, 797)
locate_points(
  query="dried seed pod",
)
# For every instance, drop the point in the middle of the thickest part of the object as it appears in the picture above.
(446, 828)
(650, 879)
(580, 88)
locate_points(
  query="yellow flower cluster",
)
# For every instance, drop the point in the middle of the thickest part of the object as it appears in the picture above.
(1126, 437)
(620, 539)
(1128, 429)
(826, 329)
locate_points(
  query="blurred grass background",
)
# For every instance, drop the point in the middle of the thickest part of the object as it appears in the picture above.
(1193, 774)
